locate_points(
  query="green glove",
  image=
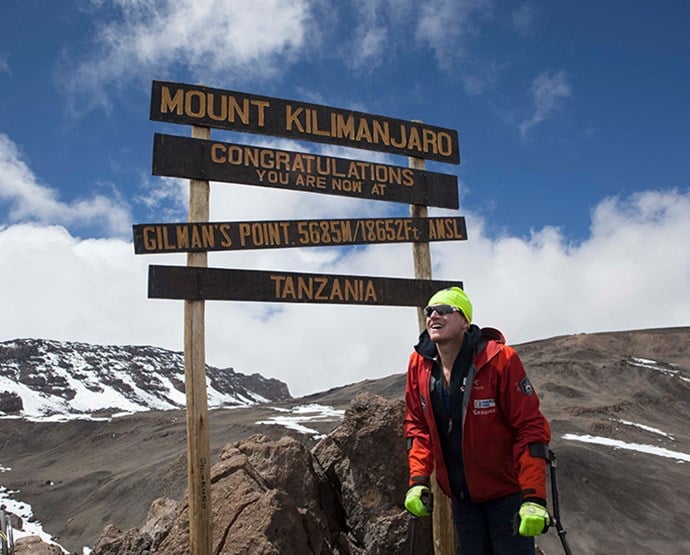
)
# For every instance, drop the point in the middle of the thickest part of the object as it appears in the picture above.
(534, 519)
(419, 501)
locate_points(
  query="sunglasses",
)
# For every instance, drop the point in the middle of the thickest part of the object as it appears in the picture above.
(440, 309)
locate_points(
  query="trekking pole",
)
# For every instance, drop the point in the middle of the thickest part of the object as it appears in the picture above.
(556, 508)
(541, 450)
(411, 532)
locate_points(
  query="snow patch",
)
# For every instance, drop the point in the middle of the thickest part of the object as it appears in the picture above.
(31, 527)
(304, 414)
(617, 444)
(652, 365)
(646, 428)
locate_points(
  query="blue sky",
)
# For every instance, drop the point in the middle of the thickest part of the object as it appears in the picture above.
(573, 123)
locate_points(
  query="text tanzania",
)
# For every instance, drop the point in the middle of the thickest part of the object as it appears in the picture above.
(324, 288)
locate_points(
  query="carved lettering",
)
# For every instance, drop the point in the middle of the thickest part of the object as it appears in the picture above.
(323, 288)
(181, 103)
(293, 233)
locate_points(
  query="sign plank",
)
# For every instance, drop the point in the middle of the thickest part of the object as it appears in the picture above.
(251, 113)
(227, 236)
(196, 283)
(175, 156)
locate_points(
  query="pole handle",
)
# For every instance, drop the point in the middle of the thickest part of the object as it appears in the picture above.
(542, 451)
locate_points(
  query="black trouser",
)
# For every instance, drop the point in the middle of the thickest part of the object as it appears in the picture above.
(487, 528)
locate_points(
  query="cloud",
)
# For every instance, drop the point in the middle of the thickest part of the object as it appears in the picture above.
(371, 34)
(480, 78)
(629, 273)
(444, 24)
(523, 19)
(4, 63)
(73, 289)
(27, 200)
(386, 29)
(547, 90)
(212, 38)
(370, 47)
(221, 40)
(632, 272)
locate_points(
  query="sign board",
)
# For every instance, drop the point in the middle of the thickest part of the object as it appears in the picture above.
(227, 236)
(175, 156)
(250, 113)
(221, 284)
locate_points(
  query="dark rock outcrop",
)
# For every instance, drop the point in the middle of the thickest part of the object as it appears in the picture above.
(10, 403)
(364, 459)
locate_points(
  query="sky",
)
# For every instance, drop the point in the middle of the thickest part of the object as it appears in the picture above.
(573, 126)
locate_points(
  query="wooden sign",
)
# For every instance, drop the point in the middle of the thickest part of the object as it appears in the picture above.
(198, 283)
(227, 236)
(250, 113)
(175, 156)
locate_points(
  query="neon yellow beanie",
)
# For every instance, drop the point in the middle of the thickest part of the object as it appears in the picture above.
(454, 296)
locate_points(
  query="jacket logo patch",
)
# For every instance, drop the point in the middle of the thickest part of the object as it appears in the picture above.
(484, 403)
(526, 387)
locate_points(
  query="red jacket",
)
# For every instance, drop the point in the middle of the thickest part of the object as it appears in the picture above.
(500, 418)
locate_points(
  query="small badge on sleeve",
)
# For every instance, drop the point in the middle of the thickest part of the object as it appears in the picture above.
(526, 387)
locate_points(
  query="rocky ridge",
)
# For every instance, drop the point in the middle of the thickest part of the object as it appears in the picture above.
(40, 378)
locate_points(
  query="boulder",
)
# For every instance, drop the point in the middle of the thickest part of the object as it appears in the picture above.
(160, 519)
(33, 545)
(114, 541)
(265, 496)
(365, 461)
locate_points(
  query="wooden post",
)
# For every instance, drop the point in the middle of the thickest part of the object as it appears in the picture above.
(198, 450)
(442, 517)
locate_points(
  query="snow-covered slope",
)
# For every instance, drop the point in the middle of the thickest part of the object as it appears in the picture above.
(42, 379)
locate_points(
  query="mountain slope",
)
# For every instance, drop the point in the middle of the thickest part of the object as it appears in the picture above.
(67, 380)
(618, 402)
